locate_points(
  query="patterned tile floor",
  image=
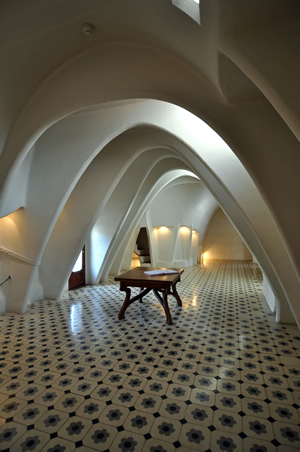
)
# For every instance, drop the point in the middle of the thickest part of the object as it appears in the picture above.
(223, 377)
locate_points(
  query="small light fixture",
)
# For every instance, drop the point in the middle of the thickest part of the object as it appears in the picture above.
(87, 29)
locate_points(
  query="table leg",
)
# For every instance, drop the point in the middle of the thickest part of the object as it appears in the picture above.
(141, 290)
(164, 302)
(129, 300)
(175, 293)
(125, 304)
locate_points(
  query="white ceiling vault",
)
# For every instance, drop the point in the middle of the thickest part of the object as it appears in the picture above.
(148, 95)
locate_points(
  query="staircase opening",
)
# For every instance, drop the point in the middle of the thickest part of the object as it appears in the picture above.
(141, 254)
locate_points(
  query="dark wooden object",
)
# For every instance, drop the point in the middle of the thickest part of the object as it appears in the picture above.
(77, 279)
(162, 286)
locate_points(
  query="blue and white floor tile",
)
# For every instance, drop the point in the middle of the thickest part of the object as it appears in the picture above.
(223, 377)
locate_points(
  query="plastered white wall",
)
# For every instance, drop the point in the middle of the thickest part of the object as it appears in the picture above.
(175, 213)
(222, 241)
(269, 294)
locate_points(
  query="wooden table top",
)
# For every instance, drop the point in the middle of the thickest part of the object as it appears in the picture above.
(138, 274)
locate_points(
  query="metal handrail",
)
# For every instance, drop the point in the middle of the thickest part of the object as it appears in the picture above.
(9, 277)
(143, 254)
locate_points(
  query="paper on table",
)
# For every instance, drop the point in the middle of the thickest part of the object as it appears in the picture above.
(160, 272)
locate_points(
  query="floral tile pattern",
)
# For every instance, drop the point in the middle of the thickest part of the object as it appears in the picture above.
(32, 440)
(128, 442)
(100, 437)
(30, 414)
(10, 433)
(51, 421)
(195, 437)
(59, 445)
(223, 377)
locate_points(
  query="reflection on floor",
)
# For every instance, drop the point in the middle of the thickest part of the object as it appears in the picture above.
(223, 377)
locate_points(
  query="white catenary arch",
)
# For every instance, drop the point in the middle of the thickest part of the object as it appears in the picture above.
(82, 152)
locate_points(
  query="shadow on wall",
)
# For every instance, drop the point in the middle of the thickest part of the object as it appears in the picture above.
(222, 241)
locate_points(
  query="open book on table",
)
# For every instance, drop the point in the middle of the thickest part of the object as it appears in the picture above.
(160, 272)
